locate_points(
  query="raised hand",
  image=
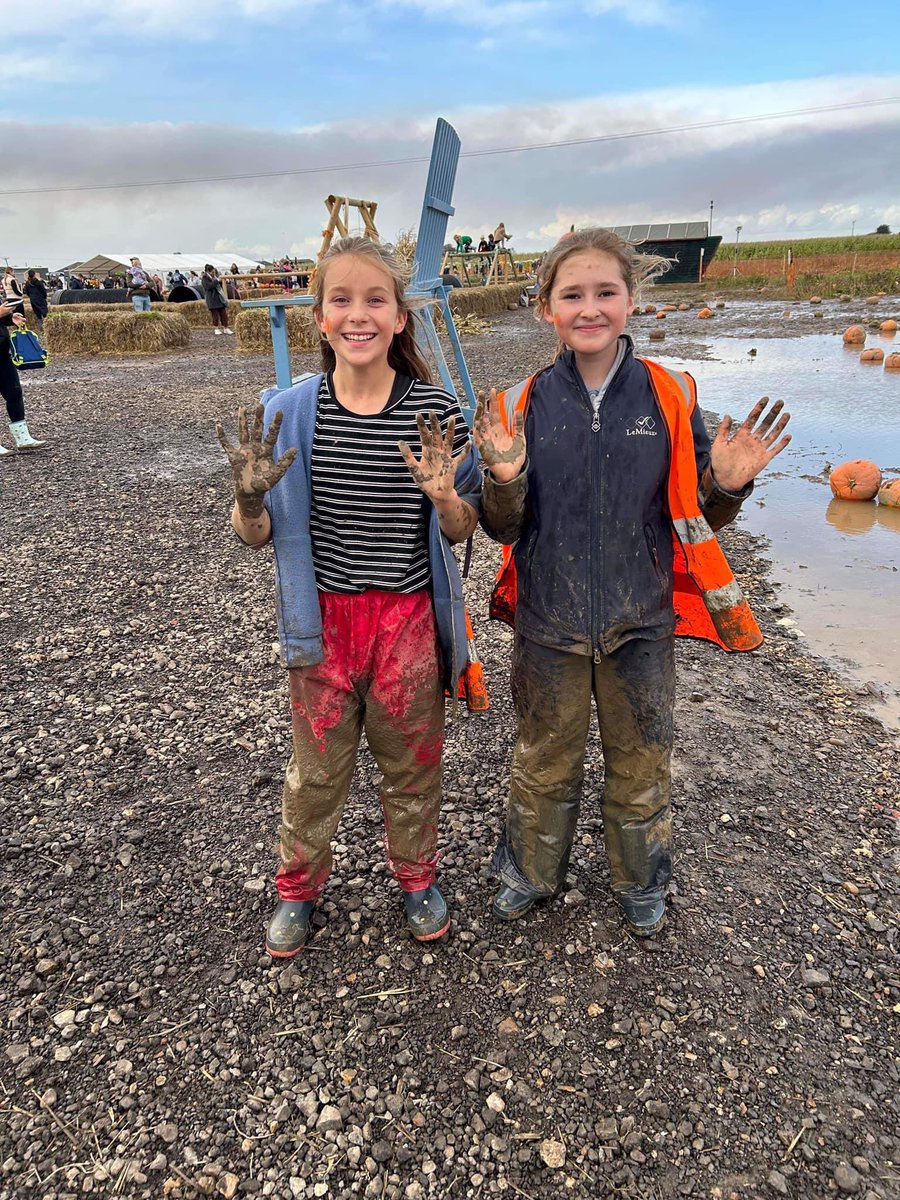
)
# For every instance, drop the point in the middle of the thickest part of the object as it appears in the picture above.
(435, 471)
(739, 455)
(252, 461)
(503, 452)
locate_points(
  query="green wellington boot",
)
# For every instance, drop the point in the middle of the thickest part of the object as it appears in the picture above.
(289, 928)
(427, 915)
(509, 903)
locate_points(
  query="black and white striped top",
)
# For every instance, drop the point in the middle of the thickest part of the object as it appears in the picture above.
(369, 518)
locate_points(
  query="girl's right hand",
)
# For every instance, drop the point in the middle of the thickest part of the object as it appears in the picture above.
(503, 452)
(252, 460)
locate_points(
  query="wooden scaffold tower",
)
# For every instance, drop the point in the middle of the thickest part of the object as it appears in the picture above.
(476, 269)
(339, 219)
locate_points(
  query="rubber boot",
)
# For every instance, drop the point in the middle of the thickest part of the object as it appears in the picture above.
(644, 916)
(509, 903)
(427, 915)
(289, 927)
(22, 438)
(4, 453)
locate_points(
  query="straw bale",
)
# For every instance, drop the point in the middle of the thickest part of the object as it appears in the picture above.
(485, 301)
(78, 332)
(254, 335)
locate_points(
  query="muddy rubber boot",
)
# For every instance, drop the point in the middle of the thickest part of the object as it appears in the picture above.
(509, 903)
(644, 917)
(288, 930)
(427, 915)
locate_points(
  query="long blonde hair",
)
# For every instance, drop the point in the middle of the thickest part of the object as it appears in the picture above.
(403, 354)
(636, 268)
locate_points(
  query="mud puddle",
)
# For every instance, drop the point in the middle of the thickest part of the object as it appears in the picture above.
(837, 562)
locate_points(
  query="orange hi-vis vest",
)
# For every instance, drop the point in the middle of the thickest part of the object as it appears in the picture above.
(708, 601)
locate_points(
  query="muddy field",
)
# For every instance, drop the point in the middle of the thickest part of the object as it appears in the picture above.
(151, 1048)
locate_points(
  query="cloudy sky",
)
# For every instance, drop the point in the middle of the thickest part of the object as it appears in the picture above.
(104, 93)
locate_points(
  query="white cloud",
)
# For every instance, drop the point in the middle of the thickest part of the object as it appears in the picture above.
(814, 173)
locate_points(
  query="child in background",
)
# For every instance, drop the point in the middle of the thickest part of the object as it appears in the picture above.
(369, 600)
(609, 551)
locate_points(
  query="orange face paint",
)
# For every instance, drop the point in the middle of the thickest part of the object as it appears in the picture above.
(327, 325)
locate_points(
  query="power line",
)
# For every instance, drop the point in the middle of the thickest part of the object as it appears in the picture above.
(424, 158)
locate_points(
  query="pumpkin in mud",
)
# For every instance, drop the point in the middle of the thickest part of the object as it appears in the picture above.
(660, 316)
(649, 308)
(889, 494)
(704, 314)
(815, 299)
(874, 355)
(888, 326)
(892, 362)
(854, 336)
(856, 480)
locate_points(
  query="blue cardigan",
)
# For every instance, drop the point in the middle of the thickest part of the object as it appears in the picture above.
(296, 596)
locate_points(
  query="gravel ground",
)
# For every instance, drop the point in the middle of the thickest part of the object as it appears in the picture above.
(152, 1049)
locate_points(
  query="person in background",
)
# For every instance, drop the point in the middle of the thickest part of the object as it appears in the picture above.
(194, 281)
(10, 386)
(178, 280)
(139, 286)
(482, 246)
(36, 291)
(216, 300)
(11, 286)
(500, 236)
(449, 280)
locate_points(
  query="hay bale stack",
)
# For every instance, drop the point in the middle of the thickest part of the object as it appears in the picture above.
(78, 332)
(485, 301)
(124, 307)
(254, 336)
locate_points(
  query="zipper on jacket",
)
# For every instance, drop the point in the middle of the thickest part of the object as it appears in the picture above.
(595, 405)
(595, 550)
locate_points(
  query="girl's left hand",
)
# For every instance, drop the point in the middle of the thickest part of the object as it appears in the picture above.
(738, 458)
(435, 471)
(19, 320)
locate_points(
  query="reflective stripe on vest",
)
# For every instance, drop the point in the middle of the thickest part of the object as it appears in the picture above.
(707, 599)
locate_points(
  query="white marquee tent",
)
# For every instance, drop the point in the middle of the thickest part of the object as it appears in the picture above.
(161, 264)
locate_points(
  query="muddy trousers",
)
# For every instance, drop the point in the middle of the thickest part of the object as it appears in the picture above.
(634, 690)
(380, 673)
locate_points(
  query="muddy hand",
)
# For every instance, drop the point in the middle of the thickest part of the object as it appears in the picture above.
(503, 452)
(435, 471)
(739, 455)
(253, 460)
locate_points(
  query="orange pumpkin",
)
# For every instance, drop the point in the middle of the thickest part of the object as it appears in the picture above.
(815, 299)
(669, 308)
(856, 480)
(874, 355)
(892, 362)
(888, 326)
(649, 308)
(889, 494)
(854, 336)
(660, 316)
(684, 308)
(704, 314)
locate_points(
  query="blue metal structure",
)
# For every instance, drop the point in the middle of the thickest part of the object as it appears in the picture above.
(426, 283)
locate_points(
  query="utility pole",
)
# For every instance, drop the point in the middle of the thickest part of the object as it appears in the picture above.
(710, 216)
(736, 240)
